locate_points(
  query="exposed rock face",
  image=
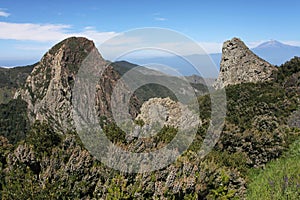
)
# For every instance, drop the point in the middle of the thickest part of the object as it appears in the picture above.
(48, 89)
(107, 84)
(167, 112)
(240, 65)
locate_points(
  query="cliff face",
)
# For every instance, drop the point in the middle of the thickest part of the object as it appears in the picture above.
(48, 89)
(240, 65)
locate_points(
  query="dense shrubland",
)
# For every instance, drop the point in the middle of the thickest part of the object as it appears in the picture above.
(256, 157)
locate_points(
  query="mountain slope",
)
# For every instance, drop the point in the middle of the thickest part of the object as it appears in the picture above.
(47, 165)
(11, 79)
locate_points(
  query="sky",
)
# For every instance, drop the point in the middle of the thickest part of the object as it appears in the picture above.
(29, 28)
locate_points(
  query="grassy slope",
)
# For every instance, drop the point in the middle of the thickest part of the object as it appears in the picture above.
(280, 179)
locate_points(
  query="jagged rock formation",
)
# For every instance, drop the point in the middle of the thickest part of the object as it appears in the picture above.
(240, 65)
(167, 112)
(48, 89)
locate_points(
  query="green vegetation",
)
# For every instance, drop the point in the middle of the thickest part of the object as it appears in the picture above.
(42, 137)
(280, 179)
(257, 155)
(11, 79)
(14, 77)
(13, 120)
(6, 94)
(288, 69)
(151, 90)
(114, 133)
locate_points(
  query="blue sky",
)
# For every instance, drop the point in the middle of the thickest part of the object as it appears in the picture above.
(29, 28)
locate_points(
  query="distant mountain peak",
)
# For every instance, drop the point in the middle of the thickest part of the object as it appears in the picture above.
(276, 52)
(271, 44)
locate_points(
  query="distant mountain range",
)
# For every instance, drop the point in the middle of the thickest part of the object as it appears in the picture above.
(272, 51)
(276, 52)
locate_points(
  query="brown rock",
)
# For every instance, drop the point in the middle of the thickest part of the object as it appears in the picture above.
(240, 65)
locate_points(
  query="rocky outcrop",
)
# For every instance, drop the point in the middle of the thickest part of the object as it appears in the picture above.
(48, 89)
(166, 112)
(240, 65)
(108, 81)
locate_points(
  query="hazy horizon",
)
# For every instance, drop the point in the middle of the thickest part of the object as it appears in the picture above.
(29, 30)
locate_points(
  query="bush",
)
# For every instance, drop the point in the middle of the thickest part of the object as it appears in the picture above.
(42, 137)
(13, 120)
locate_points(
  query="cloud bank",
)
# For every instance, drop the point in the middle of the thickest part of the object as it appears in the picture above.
(4, 14)
(46, 32)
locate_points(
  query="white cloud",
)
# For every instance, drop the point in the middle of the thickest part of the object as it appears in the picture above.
(157, 17)
(57, 32)
(255, 43)
(47, 32)
(34, 32)
(211, 47)
(38, 48)
(96, 36)
(39, 38)
(293, 43)
(138, 48)
(43, 34)
(4, 14)
(160, 19)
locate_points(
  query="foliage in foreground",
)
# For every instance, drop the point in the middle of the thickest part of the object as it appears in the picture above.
(280, 179)
(48, 166)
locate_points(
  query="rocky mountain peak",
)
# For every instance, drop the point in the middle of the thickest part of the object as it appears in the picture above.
(48, 89)
(240, 65)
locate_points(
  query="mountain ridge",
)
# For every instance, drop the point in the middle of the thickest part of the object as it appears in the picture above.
(48, 90)
(45, 163)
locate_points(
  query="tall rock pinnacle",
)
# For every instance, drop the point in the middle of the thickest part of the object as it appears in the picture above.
(240, 65)
(48, 89)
